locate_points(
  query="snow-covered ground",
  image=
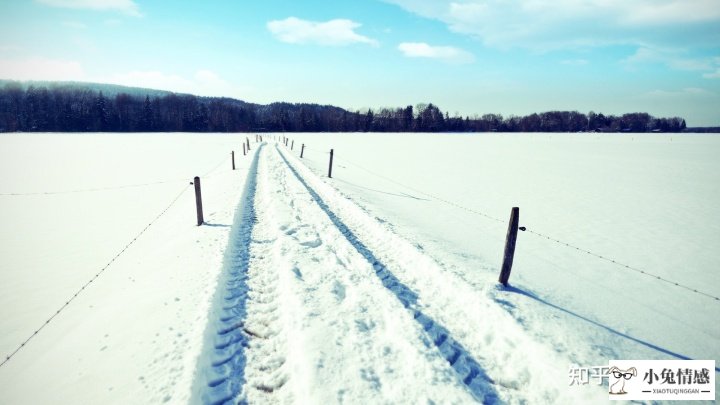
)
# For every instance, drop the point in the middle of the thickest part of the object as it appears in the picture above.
(378, 285)
(133, 335)
(647, 201)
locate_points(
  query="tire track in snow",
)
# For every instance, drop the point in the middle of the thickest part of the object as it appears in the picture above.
(221, 367)
(265, 324)
(302, 319)
(468, 370)
(467, 327)
(325, 332)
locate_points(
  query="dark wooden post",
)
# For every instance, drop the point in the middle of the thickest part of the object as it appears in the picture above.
(243, 149)
(232, 154)
(292, 144)
(302, 150)
(330, 168)
(198, 201)
(248, 144)
(509, 246)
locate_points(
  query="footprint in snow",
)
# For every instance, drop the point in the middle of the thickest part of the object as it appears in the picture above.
(339, 291)
(312, 243)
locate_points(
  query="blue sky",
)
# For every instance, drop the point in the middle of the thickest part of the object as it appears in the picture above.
(467, 56)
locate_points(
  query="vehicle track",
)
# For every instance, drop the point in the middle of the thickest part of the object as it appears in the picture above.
(309, 314)
(474, 334)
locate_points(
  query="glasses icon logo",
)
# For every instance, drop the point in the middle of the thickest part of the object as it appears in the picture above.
(626, 375)
(620, 376)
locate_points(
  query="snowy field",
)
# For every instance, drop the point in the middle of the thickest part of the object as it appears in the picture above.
(378, 285)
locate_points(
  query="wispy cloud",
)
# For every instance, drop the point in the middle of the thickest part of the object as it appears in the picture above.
(544, 25)
(204, 82)
(9, 48)
(688, 92)
(337, 32)
(41, 69)
(128, 7)
(444, 53)
(575, 62)
(716, 73)
(674, 59)
(74, 24)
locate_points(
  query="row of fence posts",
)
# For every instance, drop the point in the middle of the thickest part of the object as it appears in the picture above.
(510, 238)
(196, 180)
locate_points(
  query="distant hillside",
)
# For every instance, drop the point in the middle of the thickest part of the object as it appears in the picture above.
(94, 107)
(109, 90)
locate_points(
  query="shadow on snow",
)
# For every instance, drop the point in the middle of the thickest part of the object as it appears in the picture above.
(530, 295)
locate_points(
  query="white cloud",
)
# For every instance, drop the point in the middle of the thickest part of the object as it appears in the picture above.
(153, 80)
(716, 67)
(555, 24)
(713, 75)
(575, 62)
(41, 69)
(202, 83)
(336, 32)
(9, 48)
(673, 59)
(74, 24)
(445, 53)
(127, 7)
(688, 92)
(653, 12)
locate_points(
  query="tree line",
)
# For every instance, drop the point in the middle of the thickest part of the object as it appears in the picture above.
(86, 108)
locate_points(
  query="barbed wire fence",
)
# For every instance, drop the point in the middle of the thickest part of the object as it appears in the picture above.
(68, 301)
(619, 264)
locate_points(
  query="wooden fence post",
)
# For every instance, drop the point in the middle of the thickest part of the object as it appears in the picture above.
(330, 168)
(243, 148)
(292, 144)
(248, 143)
(198, 201)
(302, 150)
(232, 154)
(509, 246)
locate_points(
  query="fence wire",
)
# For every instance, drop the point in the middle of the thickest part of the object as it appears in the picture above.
(112, 188)
(90, 190)
(536, 233)
(92, 279)
(104, 268)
